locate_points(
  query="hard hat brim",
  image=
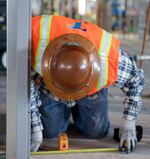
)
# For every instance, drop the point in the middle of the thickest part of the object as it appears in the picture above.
(50, 52)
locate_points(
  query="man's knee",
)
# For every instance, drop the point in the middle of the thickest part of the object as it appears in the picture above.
(95, 134)
(53, 127)
(97, 131)
(51, 132)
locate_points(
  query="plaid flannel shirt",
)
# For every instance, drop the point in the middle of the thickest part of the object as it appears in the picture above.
(130, 80)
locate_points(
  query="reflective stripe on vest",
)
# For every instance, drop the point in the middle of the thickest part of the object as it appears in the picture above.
(103, 53)
(45, 25)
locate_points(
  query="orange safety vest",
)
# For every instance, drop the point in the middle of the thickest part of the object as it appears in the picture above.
(46, 28)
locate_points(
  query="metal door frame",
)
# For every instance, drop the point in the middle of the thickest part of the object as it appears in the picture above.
(18, 47)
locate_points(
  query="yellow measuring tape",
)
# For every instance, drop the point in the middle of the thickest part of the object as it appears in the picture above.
(76, 151)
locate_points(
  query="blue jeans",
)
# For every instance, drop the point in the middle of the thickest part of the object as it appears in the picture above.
(89, 115)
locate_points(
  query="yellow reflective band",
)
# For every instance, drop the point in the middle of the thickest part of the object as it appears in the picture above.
(48, 29)
(103, 53)
(99, 53)
(45, 25)
(38, 48)
(107, 54)
(101, 43)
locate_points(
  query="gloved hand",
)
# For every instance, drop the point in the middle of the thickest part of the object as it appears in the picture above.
(36, 141)
(128, 139)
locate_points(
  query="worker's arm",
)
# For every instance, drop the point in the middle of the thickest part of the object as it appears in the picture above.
(131, 81)
(35, 102)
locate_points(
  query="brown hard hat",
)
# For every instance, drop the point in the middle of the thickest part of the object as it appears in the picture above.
(70, 66)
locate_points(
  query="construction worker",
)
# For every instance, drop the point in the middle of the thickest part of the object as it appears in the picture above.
(74, 62)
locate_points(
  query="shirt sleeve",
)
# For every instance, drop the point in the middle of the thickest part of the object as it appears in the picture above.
(130, 80)
(35, 102)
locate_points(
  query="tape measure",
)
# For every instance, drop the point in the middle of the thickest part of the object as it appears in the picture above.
(63, 141)
(76, 151)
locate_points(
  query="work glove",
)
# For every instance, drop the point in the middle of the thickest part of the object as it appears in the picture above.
(36, 141)
(128, 139)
